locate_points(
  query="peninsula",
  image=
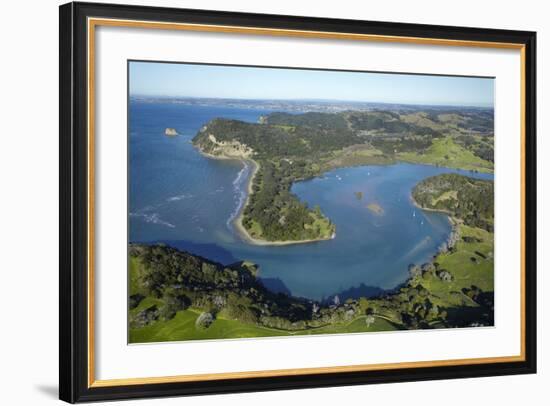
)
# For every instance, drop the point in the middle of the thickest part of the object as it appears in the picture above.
(286, 148)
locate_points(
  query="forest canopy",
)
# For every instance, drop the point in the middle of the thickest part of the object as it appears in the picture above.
(292, 147)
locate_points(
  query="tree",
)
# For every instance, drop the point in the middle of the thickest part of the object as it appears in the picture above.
(204, 320)
(369, 320)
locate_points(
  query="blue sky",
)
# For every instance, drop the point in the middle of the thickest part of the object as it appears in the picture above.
(185, 80)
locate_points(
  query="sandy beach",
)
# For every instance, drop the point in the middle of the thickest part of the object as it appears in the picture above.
(238, 222)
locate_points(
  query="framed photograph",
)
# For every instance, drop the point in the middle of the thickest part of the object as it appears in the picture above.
(256, 202)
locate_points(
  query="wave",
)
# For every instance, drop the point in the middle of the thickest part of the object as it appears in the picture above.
(153, 218)
(218, 190)
(149, 213)
(179, 197)
(239, 192)
(419, 246)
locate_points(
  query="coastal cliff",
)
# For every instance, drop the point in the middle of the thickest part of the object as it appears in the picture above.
(225, 149)
(271, 215)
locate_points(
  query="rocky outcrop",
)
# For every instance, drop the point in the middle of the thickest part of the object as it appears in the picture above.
(170, 132)
(228, 149)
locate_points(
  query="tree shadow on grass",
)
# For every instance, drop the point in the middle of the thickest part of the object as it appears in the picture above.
(468, 316)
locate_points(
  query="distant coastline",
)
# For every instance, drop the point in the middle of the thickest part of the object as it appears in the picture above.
(299, 105)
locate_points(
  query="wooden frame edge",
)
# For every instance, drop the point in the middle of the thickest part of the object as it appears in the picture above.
(231, 29)
(302, 371)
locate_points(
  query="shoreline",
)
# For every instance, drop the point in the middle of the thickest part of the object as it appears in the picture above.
(452, 219)
(482, 170)
(455, 223)
(243, 233)
(238, 220)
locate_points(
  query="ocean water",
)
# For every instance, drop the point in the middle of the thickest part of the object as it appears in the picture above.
(186, 200)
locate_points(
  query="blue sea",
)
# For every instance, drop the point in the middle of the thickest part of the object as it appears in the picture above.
(179, 197)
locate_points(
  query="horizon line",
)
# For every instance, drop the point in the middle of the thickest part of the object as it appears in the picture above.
(315, 100)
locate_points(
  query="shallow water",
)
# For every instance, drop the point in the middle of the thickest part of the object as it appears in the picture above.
(180, 197)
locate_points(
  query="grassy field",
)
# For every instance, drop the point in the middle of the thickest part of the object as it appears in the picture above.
(451, 194)
(255, 230)
(471, 264)
(445, 152)
(134, 280)
(182, 327)
(357, 325)
(321, 225)
(465, 271)
(288, 128)
(355, 155)
(422, 119)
